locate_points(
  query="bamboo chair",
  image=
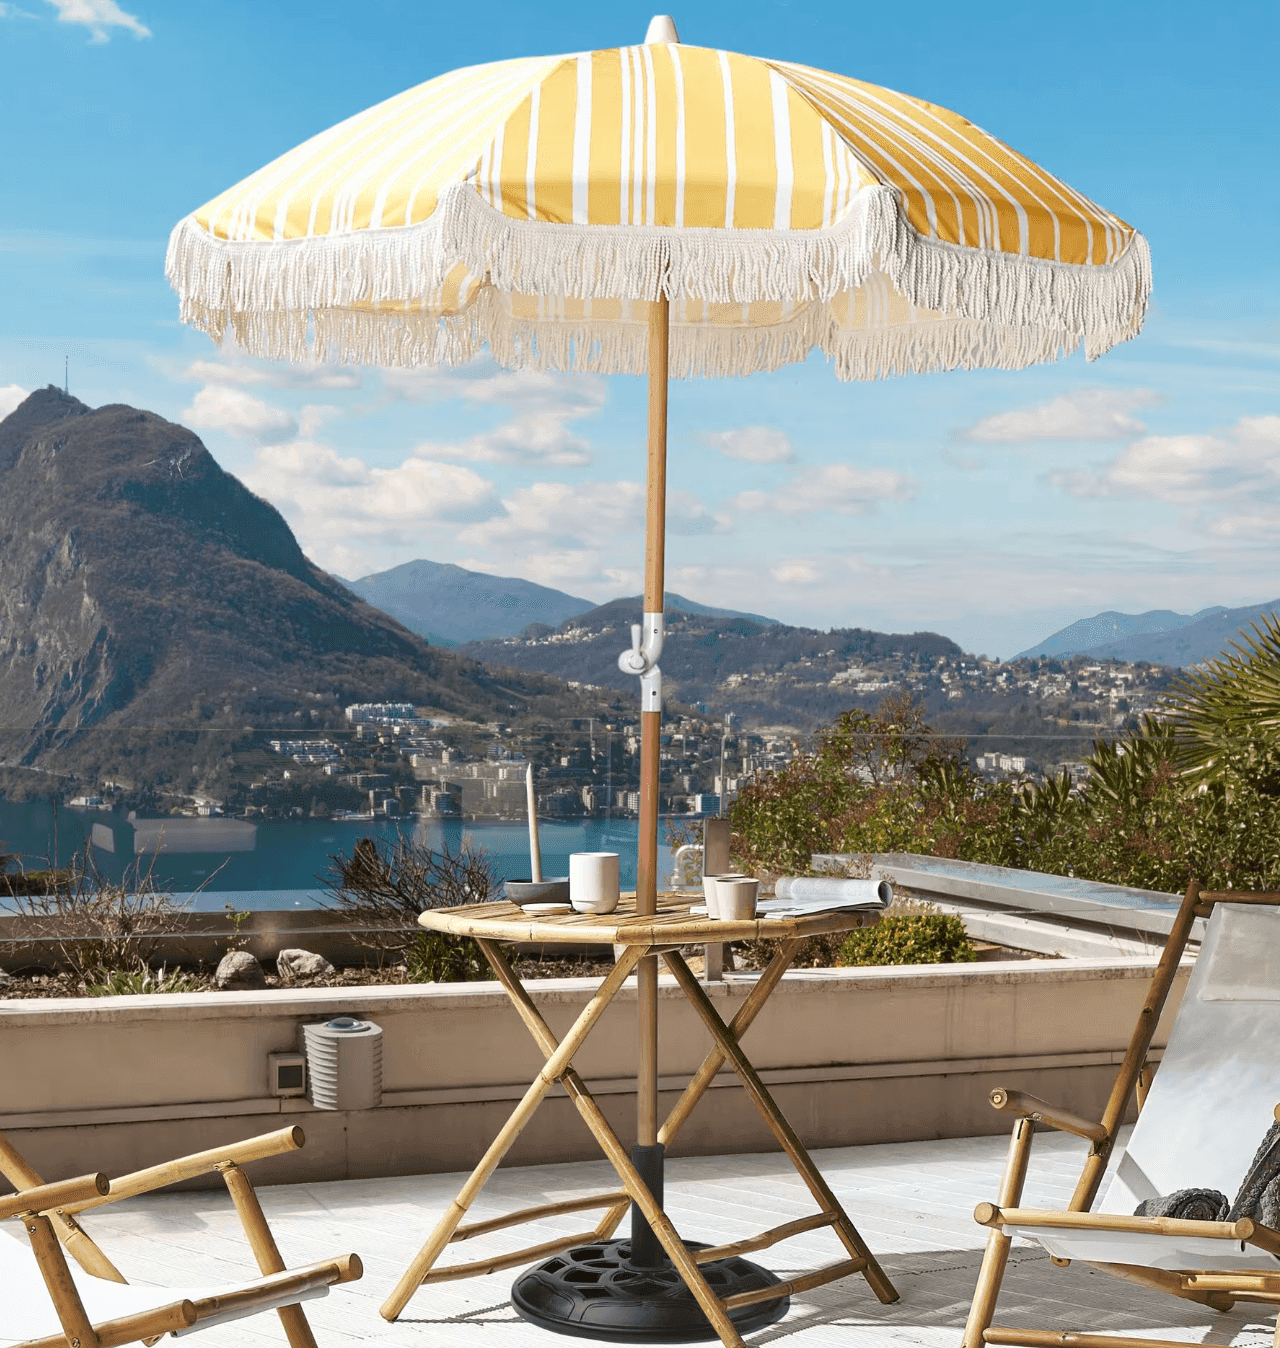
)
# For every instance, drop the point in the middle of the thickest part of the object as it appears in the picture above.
(48, 1304)
(1200, 1124)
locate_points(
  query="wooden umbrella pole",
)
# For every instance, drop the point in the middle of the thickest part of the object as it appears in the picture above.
(646, 1249)
(654, 584)
(651, 721)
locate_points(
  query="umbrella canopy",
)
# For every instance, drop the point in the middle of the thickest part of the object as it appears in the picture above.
(532, 206)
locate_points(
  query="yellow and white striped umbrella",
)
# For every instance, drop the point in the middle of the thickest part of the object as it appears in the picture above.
(528, 205)
(595, 211)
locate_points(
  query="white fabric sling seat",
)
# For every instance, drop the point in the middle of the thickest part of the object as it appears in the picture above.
(1209, 1107)
(1207, 1112)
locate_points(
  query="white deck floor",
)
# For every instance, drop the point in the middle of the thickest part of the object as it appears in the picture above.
(913, 1202)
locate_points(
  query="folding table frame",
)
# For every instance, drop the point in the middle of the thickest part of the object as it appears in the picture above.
(661, 934)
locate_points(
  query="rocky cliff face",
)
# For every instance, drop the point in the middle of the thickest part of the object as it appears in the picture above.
(143, 586)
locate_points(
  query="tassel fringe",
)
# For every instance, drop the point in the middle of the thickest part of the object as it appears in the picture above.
(315, 298)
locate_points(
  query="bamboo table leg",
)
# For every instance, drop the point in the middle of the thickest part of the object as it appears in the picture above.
(576, 1089)
(780, 1128)
(714, 1060)
(559, 1056)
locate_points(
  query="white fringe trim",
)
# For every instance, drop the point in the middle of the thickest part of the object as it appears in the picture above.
(359, 337)
(293, 299)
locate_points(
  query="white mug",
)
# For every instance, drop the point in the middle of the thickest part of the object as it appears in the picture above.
(736, 897)
(709, 890)
(593, 881)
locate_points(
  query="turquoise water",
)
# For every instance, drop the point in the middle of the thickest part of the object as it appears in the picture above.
(296, 854)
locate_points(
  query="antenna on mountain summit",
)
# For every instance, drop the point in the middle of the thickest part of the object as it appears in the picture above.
(66, 376)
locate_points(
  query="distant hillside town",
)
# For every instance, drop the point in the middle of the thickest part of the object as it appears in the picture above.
(397, 761)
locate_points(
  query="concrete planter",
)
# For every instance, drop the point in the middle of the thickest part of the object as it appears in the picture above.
(853, 1056)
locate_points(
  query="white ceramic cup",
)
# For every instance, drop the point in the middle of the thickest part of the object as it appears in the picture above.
(736, 898)
(593, 881)
(709, 890)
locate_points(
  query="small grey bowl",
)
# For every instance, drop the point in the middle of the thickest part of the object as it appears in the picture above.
(538, 891)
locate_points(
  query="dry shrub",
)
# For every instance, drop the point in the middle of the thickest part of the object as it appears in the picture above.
(99, 927)
(382, 887)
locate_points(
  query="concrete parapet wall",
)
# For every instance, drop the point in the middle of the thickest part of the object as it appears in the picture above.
(852, 1056)
(203, 938)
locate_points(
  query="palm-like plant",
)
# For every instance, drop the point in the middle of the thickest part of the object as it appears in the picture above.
(1227, 713)
(1124, 773)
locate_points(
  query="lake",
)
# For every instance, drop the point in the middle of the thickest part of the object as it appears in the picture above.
(274, 863)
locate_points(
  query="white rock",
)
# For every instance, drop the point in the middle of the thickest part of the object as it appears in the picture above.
(239, 971)
(295, 964)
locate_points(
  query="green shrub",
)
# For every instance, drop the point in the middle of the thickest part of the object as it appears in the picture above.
(1145, 814)
(915, 938)
(138, 982)
(438, 957)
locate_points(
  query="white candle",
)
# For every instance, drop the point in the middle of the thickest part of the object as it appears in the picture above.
(535, 852)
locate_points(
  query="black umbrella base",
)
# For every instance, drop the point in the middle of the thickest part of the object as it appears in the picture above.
(592, 1291)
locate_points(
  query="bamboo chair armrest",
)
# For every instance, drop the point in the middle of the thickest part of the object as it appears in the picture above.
(1245, 1229)
(1028, 1107)
(198, 1163)
(59, 1195)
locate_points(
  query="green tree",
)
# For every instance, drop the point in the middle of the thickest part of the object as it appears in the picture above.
(1227, 713)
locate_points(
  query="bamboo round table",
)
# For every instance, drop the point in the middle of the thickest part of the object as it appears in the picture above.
(655, 1287)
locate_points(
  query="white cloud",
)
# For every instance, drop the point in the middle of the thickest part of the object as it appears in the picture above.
(10, 396)
(98, 16)
(538, 433)
(8, 11)
(527, 440)
(1087, 414)
(222, 407)
(753, 444)
(796, 573)
(531, 392)
(1191, 470)
(586, 514)
(431, 383)
(844, 488)
(313, 416)
(1257, 523)
(590, 515)
(584, 537)
(535, 393)
(334, 501)
(241, 371)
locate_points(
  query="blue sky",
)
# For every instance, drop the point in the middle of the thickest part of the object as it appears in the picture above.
(1009, 503)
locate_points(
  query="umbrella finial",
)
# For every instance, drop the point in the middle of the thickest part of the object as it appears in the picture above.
(662, 28)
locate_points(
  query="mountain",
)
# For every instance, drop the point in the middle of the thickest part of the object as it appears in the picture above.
(1159, 637)
(764, 672)
(1104, 628)
(143, 586)
(448, 604)
(671, 600)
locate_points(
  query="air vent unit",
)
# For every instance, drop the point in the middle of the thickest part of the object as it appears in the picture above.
(344, 1063)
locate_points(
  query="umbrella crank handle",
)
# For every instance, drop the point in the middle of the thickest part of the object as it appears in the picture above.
(646, 646)
(642, 659)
